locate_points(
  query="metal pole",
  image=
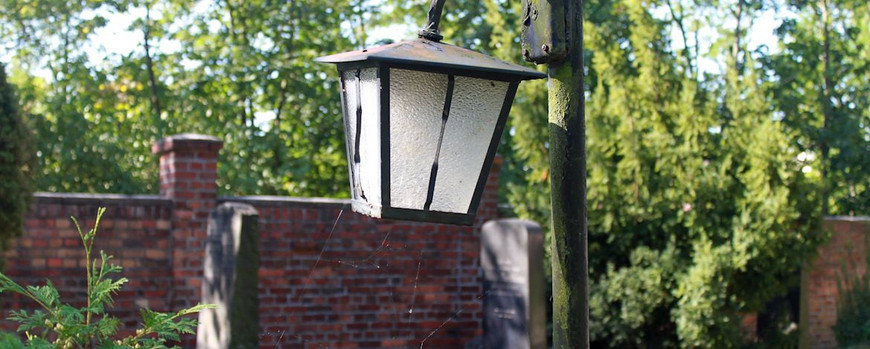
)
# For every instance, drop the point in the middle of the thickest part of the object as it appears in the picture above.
(567, 124)
(430, 31)
(568, 188)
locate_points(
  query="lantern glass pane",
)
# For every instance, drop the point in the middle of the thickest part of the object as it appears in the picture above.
(416, 106)
(474, 113)
(362, 92)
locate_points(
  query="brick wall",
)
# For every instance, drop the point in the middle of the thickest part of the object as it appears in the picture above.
(328, 277)
(364, 283)
(847, 245)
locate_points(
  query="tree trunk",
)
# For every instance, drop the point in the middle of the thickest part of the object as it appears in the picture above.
(827, 108)
(152, 80)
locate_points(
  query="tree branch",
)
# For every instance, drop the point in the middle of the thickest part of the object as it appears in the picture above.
(686, 51)
(155, 100)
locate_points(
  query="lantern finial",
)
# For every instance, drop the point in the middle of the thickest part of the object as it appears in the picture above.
(430, 31)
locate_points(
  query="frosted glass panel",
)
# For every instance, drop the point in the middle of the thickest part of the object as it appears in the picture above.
(366, 175)
(416, 105)
(476, 106)
(349, 87)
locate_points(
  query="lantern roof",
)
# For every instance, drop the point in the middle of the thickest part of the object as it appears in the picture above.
(422, 52)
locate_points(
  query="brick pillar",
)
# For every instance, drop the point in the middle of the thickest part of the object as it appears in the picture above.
(488, 209)
(819, 291)
(188, 171)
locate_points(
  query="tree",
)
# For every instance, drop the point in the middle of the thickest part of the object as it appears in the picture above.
(16, 165)
(819, 86)
(243, 71)
(86, 124)
(254, 60)
(698, 209)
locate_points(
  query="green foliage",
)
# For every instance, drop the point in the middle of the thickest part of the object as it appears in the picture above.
(820, 86)
(853, 306)
(10, 341)
(59, 325)
(699, 211)
(242, 71)
(16, 165)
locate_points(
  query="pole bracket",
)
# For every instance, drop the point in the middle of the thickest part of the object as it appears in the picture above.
(544, 33)
(433, 20)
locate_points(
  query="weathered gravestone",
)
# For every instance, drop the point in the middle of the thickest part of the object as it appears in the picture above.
(230, 279)
(512, 259)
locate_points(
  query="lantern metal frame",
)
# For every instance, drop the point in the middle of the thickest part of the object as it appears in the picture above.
(425, 55)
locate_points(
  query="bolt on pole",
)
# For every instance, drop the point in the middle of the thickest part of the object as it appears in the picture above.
(553, 34)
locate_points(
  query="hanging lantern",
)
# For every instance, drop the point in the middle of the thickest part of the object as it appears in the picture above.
(422, 123)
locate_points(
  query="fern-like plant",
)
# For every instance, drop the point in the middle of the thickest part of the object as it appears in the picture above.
(60, 325)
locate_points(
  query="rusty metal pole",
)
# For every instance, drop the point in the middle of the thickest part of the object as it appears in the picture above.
(553, 34)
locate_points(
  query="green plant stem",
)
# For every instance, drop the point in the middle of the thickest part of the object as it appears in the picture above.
(87, 243)
(87, 247)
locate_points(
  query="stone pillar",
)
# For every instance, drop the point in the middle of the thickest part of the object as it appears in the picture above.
(230, 281)
(188, 171)
(514, 306)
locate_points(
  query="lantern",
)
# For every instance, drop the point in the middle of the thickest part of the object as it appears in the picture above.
(422, 122)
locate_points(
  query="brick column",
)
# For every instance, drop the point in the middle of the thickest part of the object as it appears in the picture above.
(188, 171)
(819, 291)
(488, 209)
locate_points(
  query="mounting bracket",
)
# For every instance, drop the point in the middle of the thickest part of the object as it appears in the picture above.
(544, 33)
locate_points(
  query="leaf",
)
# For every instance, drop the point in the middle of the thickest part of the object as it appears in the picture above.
(30, 322)
(10, 341)
(7, 285)
(107, 326)
(170, 325)
(46, 295)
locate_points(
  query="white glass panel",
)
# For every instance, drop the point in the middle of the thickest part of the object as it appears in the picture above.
(474, 112)
(366, 175)
(416, 106)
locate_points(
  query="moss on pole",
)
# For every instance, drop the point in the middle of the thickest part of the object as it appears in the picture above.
(567, 126)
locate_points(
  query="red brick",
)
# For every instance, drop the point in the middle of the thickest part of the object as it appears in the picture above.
(54, 262)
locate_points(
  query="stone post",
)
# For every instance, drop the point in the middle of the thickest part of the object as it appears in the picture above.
(230, 281)
(514, 307)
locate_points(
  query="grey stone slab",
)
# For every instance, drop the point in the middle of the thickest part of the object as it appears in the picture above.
(230, 279)
(512, 260)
